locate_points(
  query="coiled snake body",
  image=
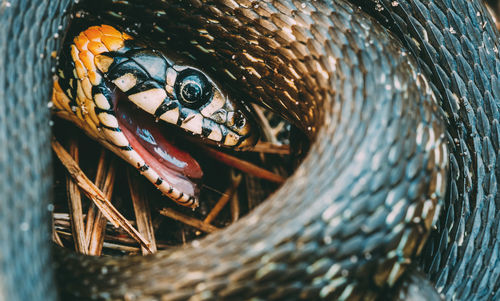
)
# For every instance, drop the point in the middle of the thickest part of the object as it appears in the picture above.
(356, 212)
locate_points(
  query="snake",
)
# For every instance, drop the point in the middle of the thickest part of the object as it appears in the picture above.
(108, 71)
(399, 99)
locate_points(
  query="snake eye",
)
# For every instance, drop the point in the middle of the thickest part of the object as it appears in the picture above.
(193, 88)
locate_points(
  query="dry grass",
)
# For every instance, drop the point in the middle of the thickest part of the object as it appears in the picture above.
(118, 212)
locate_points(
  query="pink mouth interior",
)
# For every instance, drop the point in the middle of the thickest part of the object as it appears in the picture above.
(144, 134)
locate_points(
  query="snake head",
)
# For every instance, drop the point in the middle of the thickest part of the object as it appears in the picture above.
(178, 94)
(120, 91)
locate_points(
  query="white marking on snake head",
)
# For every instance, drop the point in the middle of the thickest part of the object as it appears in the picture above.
(126, 82)
(149, 100)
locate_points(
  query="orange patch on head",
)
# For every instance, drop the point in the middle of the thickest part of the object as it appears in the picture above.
(127, 36)
(93, 33)
(112, 43)
(95, 78)
(87, 59)
(80, 69)
(74, 53)
(81, 42)
(110, 31)
(99, 39)
(96, 47)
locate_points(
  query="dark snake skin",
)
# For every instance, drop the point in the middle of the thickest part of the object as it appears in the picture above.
(346, 218)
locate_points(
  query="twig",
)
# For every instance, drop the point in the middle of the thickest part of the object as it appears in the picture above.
(127, 241)
(243, 165)
(105, 181)
(235, 207)
(55, 236)
(122, 248)
(75, 206)
(221, 203)
(62, 219)
(89, 222)
(142, 212)
(193, 222)
(264, 122)
(183, 235)
(93, 213)
(270, 148)
(96, 195)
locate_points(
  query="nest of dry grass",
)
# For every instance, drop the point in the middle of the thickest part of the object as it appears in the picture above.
(104, 207)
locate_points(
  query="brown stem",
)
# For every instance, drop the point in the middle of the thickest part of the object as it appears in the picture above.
(270, 148)
(75, 205)
(221, 203)
(96, 195)
(55, 236)
(105, 179)
(142, 212)
(243, 165)
(190, 221)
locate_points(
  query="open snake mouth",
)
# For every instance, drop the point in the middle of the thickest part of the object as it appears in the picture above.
(146, 137)
(121, 92)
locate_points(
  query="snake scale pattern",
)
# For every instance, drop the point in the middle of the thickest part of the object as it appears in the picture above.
(394, 119)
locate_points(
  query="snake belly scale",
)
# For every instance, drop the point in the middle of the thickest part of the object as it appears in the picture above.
(357, 211)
